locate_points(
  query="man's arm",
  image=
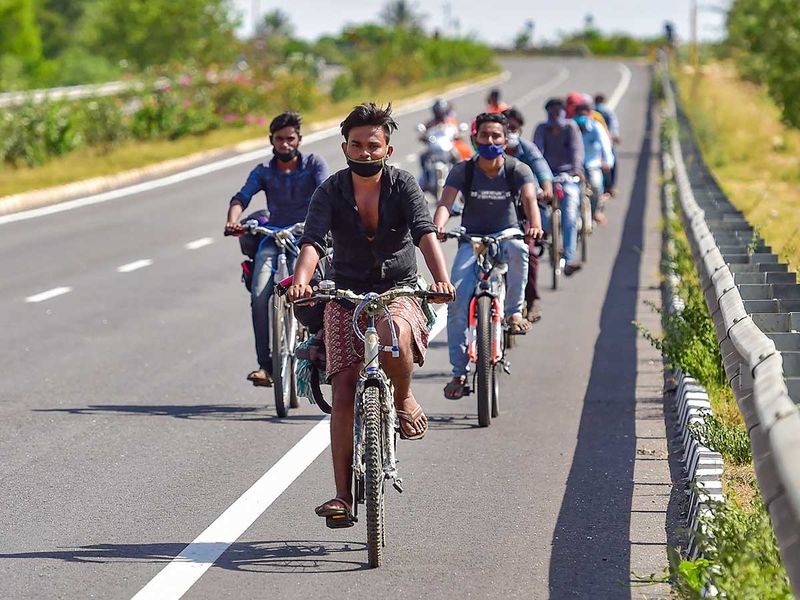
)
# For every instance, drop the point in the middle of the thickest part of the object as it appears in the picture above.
(241, 200)
(577, 148)
(607, 152)
(538, 137)
(542, 172)
(527, 195)
(303, 272)
(434, 259)
(312, 244)
(443, 208)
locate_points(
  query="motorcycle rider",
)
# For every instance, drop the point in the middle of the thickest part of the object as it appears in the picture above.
(288, 181)
(490, 208)
(561, 143)
(445, 119)
(527, 152)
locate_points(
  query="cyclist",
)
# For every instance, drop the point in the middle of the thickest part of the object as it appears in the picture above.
(560, 141)
(598, 157)
(528, 153)
(613, 129)
(288, 181)
(493, 103)
(376, 214)
(490, 185)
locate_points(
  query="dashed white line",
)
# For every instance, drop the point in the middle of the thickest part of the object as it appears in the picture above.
(133, 266)
(46, 295)
(194, 245)
(183, 571)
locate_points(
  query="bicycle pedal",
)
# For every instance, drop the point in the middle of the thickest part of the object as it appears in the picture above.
(507, 367)
(396, 485)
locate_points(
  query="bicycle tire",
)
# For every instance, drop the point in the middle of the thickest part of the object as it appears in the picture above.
(495, 392)
(483, 365)
(586, 227)
(294, 401)
(556, 249)
(373, 476)
(278, 349)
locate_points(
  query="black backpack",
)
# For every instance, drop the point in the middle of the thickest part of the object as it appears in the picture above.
(509, 167)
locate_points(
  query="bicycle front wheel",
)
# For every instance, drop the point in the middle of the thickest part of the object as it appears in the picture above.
(281, 378)
(483, 365)
(373, 477)
(556, 247)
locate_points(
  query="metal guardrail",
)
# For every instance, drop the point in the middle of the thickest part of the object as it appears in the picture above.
(73, 92)
(755, 305)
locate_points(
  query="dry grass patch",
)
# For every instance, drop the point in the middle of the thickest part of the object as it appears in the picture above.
(753, 155)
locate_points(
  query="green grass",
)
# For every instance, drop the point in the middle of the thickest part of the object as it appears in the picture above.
(86, 163)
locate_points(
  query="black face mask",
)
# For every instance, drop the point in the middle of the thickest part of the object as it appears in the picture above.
(287, 157)
(366, 168)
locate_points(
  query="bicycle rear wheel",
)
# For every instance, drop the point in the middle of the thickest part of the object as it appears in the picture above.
(374, 477)
(556, 247)
(484, 360)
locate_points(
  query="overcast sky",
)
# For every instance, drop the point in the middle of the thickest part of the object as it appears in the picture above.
(313, 18)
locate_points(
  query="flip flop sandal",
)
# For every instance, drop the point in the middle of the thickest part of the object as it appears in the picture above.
(410, 418)
(455, 391)
(519, 326)
(336, 513)
(259, 380)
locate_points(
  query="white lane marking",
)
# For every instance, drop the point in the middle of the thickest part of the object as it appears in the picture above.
(183, 571)
(219, 165)
(622, 86)
(194, 245)
(561, 76)
(133, 266)
(41, 296)
(411, 157)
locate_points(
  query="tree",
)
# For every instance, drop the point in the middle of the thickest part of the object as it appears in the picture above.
(156, 32)
(276, 24)
(401, 14)
(19, 32)
(59, 19)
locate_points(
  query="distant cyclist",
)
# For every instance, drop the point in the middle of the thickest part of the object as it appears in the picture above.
(598, 158)
(527, 152)
(492, 184)
(561, 142)
(288, 181)
(613, 128)
(493, 102)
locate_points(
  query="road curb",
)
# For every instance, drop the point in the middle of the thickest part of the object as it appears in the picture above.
(53, 195)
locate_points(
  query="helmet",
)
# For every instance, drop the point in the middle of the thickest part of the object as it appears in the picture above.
(439, 108)
(573, 100)
(588, 100)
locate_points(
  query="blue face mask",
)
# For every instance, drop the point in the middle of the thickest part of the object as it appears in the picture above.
(491, 151)
(582, 121)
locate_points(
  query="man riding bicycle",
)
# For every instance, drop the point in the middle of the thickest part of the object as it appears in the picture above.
(613, 129)
(560, 141)
(490, 185)
(528, 153)
(598, 158)
(376, 214)
(288, 181)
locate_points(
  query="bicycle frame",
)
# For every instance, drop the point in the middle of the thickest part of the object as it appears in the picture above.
(490, 283)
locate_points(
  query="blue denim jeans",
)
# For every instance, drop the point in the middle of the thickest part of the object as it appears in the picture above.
(569, 219)
(260, 298)
(594, 178)
(464, 277)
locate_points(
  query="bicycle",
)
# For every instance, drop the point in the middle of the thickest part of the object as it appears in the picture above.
(286, 331)
(375, 425)
(488, 336)
(584, 224)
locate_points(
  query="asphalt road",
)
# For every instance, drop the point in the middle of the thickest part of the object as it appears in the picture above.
(126, 426)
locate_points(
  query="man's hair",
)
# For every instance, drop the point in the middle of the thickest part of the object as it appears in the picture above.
(583, 108)
(513, 113)
(491, 118)
(599, 99)
(494, 93)
(287, 119)
(553, 102)
(370, 113)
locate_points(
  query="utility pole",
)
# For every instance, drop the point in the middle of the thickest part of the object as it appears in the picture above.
(693, 25)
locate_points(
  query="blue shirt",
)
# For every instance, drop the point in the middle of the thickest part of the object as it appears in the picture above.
(596, 146)
(528, 153)
(288, 193)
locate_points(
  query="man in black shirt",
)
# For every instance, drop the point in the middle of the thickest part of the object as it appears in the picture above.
(375, 214)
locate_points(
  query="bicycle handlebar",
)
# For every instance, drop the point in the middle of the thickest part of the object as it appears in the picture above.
(384, 298)
(253, 227)
(461, 235)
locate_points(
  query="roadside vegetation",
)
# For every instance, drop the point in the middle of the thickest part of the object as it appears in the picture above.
(226, 93)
